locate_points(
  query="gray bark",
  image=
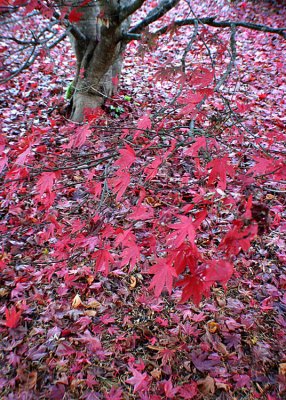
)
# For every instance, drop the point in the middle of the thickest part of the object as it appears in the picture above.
(98, 48)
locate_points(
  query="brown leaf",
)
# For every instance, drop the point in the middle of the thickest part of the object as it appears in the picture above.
(31, 380)
(90, 313)
(206, 385)
(133, 282)
(156, 373)
(223, 386)
(282, 369)
(221, 348)
(77, 301)
(92, 303)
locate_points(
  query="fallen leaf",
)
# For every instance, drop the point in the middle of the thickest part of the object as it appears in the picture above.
(282, 369)
(206, 385)
(133, 282)
(77, 301)
(213, 326)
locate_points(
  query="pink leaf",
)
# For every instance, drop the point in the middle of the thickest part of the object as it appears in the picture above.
(201, 77)
(218, 271)
(3, 162)
(45, 182)
(21, 159)
(169, 390)
(141, 213)
(114, 394)
(239, 238)
(143, 124)
(139, 381)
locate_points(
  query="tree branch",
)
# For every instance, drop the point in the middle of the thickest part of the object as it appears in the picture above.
(130, 9)
(210, 21)
(163, 7)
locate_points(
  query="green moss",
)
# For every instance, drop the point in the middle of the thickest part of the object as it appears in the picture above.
(69, 91)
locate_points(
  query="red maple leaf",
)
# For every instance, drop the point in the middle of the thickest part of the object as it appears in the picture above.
(127, 158)
(45, 182)
(193, 287)
(79, 137)
(218, 271)
(199, 143)
(12, 317)
(220, 167)
(191, 100)
(130, 255)
(74, 15)
(152, 169)
(201, 77)
(239, 238)
(143, 124)
(184, 230)
(185, 256)
(139, 381)
(164, 273)
(119, 183)
(141, 212)
(262, 166)
(102, 260)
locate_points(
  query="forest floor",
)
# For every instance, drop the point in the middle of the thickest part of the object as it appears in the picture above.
(70, 333)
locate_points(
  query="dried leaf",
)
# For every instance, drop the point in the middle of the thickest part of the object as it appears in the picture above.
(77, 301)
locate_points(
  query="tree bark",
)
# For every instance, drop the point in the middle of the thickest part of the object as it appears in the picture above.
(98, 48)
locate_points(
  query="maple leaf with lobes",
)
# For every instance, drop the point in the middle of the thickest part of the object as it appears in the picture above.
(239, 238)
(45, 182)
(12, 317)
(139, 381)
(127, 158)
(164, 273)
(184, 230)
(119, 183)
(220, 167)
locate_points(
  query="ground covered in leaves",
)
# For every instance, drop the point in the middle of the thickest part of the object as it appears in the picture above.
(157, 181)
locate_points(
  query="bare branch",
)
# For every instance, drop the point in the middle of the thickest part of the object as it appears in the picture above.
(232, 59)
(210, 21)
(130, 9)
(32, 57)
(156, 13)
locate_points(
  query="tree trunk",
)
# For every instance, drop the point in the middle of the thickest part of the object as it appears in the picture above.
(98, 48)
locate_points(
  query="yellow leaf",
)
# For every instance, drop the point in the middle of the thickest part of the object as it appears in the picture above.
(213, 326)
